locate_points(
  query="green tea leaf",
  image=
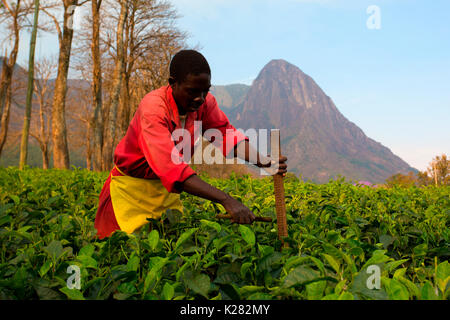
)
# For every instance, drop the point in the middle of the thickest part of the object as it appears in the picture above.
(72, 294)
(174, 215)
(167, 291)
(184, 236)
(397, 291)
(45, 267)
(54, 249)
(420, 250)
(87, 262)
(248, 290)
(413, 289)
(267, 262)
(260, 296)
(244, 268)
(87, 250)
(332, 296)
(247, 234)
(378, 257)
(333, 262)
(428, 292)
(346, 296)
(391, 266)
(315, 290)
(386, 240)
(299, 276)
(443, 270)
(155, 265)
(153, 239)
(211, 224)
(199, 283)
(133, 263)
(15, 198)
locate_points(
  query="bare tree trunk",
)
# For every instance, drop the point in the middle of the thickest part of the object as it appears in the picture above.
(7, 74)
(44, 137)
(97, 120)
(41, 88)
(116, 87)
(88, 146)
(127, 69)
(125, 116)
(26, 120)
(5, 120)
(59, 131)
(4, 83)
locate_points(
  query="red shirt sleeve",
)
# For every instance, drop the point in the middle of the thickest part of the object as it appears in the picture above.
(155, 140)
(214, 118)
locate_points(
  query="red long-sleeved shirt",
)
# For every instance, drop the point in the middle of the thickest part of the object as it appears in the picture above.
(146, 149)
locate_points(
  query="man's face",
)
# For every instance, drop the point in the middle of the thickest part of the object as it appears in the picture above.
(190, 94)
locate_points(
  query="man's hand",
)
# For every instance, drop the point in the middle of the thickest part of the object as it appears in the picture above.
(247, 152)
(197, 187)
(270, 166)
(239, 213)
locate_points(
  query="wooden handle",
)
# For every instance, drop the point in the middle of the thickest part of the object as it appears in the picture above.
(228, 216)
(275, 145)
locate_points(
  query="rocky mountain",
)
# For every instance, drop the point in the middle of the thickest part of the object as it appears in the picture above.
(230, 96)
(318, 140)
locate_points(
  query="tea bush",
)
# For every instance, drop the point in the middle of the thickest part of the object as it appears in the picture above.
(339, 236)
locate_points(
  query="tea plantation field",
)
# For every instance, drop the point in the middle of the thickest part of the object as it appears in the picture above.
(345, 242)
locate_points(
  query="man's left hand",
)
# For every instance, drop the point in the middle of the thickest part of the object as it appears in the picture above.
(271, 168)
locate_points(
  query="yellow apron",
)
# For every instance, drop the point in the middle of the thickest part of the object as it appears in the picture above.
(135, 199)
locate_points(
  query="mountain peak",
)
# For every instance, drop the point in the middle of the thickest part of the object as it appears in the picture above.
(319, 141)
(279, 63)
(279, 67)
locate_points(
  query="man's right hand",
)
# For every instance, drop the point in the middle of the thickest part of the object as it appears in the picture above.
(239, 213)
(197, 187)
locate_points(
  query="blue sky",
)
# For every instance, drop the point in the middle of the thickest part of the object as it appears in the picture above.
(393, 82)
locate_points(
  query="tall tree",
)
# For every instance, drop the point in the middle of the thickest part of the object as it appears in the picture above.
(439, 170)
(423, 179)
(109, 142)
(26, 122)
(97, 116)
(59, 131)
(12, 12)
(40, 130)
(150, 42)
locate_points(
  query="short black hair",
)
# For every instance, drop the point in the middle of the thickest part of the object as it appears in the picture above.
(188, 62)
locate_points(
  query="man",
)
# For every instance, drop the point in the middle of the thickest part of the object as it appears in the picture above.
(146, 180)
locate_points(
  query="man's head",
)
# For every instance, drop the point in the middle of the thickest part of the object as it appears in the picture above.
(190, 79)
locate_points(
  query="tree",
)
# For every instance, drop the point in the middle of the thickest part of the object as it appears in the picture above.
(150, 42)
(423, 179)
(13, 14)
(109, 142)
(150, 39)
(439, 170)
(97, 117)
(59, 131)
(401, 180)
(79, 110)
(119, 78)
(41, 130)
(26, 124)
